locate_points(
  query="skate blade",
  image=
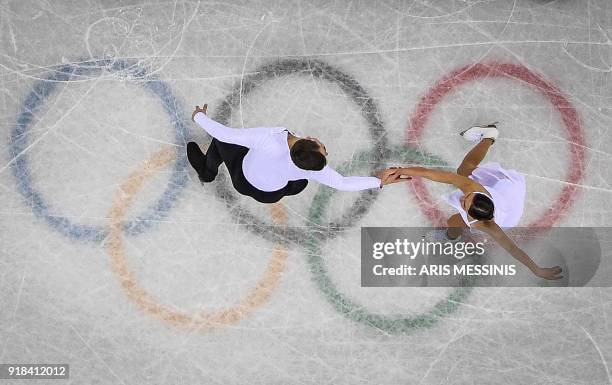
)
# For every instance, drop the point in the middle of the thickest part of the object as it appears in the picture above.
(494, 124)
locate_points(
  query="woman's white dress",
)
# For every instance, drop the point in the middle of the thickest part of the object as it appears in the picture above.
(507, 189)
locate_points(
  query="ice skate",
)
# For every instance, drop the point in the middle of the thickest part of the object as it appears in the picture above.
(477, 133)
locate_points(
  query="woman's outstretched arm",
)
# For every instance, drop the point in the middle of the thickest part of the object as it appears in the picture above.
(493, 229)
(463, 183)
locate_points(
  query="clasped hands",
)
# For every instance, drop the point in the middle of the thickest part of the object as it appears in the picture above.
(392, 175)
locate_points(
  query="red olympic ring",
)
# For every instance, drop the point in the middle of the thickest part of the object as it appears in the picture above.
(478, 71)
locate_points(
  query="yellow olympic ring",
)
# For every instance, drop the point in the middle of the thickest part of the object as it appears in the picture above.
(145, 301)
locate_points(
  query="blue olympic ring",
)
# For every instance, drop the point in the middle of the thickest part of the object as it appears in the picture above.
(19, 142)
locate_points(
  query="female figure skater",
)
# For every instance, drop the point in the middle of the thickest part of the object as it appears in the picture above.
(489, 197)
(268, 163)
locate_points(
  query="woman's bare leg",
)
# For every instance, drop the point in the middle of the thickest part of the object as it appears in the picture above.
(455, 226)
(474, 157)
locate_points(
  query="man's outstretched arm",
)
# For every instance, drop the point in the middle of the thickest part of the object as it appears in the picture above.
(247, 137)
(330, 177)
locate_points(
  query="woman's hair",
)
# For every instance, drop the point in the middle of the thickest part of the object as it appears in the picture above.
(482, 207)
(305, 154)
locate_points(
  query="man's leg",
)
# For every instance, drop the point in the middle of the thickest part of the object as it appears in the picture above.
(292, 188)
(228, 153)
(295, 187)
(233, 156)
(213, 161)
(205, 165)
(196, 157)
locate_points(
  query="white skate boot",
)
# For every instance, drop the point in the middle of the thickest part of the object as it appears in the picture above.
(477, 133)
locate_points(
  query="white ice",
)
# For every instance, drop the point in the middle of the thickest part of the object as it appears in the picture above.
(61, 300)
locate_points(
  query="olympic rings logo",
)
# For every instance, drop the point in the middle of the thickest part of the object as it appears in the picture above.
(145, 301)
(569, 116)
(282, 235)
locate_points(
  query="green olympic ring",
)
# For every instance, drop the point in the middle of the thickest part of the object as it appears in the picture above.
(392, 324)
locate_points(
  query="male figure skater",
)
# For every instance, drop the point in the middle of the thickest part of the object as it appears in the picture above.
(268, 163)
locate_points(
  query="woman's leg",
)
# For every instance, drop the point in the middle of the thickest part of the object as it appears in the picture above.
(455, 226)
(474, 157)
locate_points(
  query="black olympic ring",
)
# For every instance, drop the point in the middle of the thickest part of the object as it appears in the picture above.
(370, 112)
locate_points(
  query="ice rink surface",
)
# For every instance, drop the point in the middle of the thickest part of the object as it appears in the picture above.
(116, 260)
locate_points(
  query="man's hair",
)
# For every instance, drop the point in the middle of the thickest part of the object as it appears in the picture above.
(305, 154)
(482, 207)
